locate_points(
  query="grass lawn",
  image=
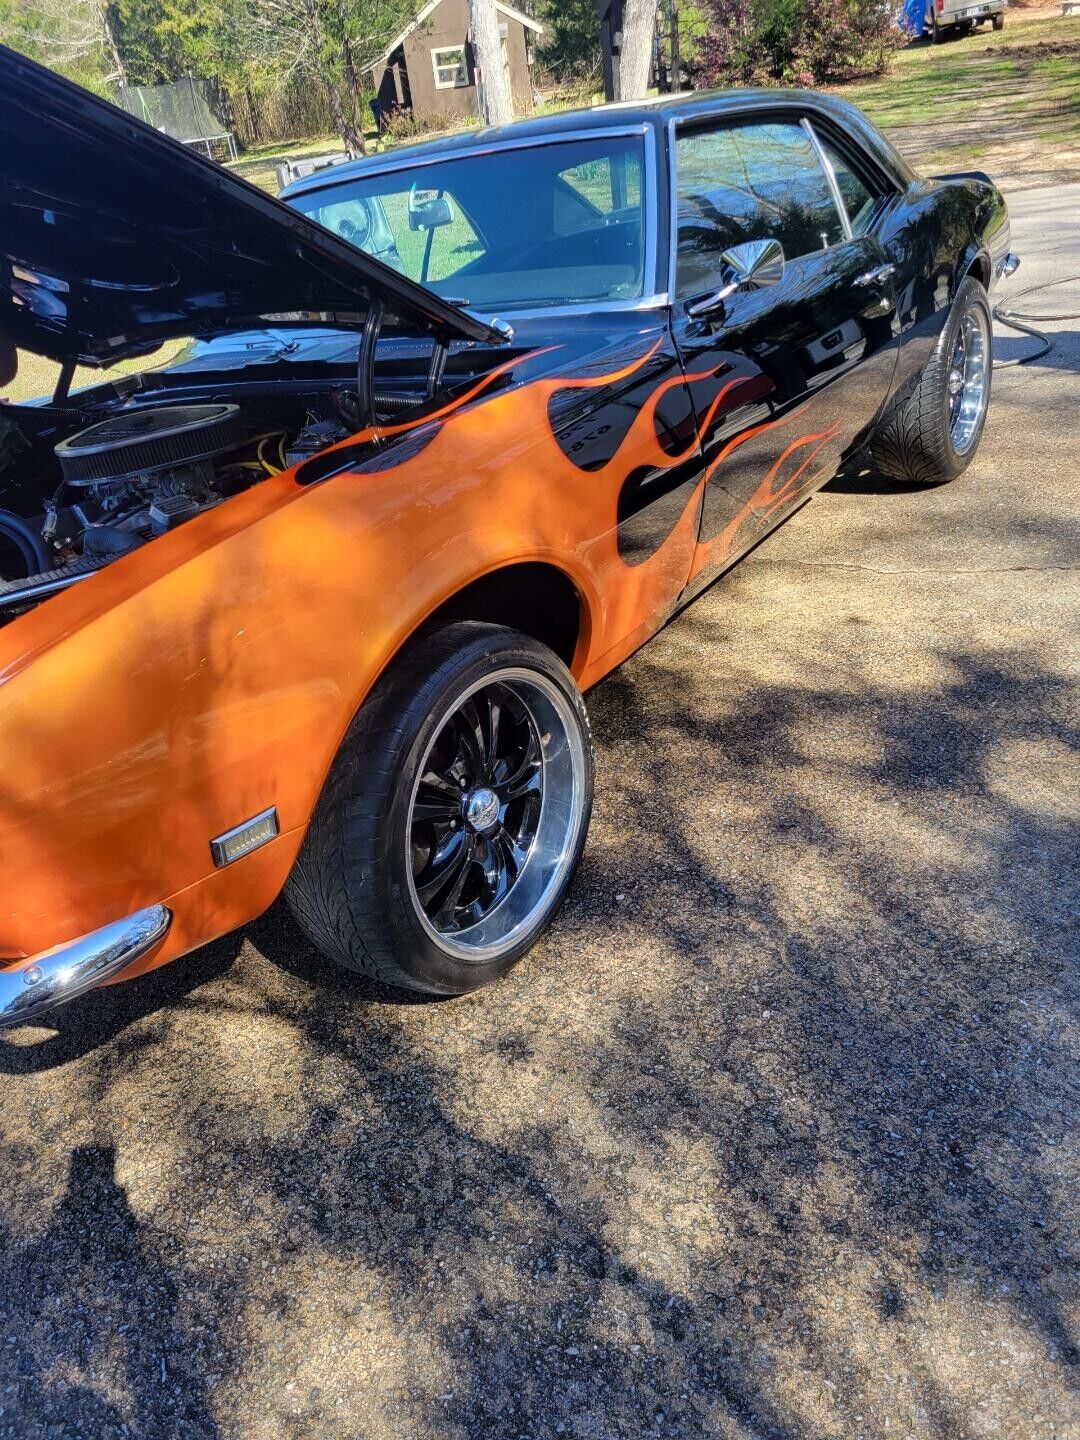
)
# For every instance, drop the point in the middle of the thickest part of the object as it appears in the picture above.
(1006, 101)
(257, 164)
(38, 377)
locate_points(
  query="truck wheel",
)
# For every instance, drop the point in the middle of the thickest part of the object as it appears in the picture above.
(999, 22)
(454, 815)
(933, 437)
(938, 32)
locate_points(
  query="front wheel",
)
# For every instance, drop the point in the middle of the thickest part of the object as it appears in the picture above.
(454, 816)
(934, 436)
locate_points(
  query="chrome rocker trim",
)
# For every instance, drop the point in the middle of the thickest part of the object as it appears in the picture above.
(43, 981)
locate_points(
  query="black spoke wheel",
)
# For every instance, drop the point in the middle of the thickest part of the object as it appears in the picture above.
(494, 811)
(476, 808)
(455, 814)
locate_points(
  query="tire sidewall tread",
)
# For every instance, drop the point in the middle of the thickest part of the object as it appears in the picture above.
(915, 445)
(348, 890)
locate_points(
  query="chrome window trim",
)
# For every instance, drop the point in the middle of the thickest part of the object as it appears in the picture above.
(579, 307)
(874, 173)
(673, 203)
(464, 152)
(830, 175)
(650, 277)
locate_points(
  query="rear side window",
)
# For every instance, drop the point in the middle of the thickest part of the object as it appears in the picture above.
(748, 182)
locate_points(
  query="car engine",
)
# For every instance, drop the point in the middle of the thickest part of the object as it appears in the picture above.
(131, 478)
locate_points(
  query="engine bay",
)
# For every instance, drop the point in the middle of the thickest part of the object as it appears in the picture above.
(123, 481)
(89, 477)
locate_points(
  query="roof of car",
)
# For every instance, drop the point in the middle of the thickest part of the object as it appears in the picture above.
(692, 105)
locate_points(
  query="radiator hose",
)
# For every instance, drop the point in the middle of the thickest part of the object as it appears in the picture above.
(1020, 320)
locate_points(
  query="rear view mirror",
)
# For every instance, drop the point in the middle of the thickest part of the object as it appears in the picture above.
(428, 211)
(754, 265)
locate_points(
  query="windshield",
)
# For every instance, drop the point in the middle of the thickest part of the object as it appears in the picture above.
(556, 224)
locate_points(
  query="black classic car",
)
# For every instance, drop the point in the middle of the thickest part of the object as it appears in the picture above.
(311, 608)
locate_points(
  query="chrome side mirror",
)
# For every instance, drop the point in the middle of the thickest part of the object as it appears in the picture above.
(754, 265)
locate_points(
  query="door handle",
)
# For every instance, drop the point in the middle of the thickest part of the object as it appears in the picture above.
(876, 277)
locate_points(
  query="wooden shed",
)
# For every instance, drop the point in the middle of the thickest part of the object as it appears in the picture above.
(428, 68)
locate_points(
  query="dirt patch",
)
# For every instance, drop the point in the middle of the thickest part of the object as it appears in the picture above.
(1040, 50)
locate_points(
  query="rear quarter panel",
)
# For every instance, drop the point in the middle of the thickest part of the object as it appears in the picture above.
(935, 233)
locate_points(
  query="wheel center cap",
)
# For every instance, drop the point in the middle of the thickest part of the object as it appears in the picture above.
(956, 382)
(481, 808)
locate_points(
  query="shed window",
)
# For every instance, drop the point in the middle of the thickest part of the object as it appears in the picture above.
(449, 67)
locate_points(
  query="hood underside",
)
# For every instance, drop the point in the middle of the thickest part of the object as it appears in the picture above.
(114, 237)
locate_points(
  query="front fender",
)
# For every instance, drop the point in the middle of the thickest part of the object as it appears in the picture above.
(213, 673)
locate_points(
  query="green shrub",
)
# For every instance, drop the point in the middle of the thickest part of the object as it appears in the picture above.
(796, 42)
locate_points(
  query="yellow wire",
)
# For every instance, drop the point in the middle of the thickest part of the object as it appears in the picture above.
(270, 469)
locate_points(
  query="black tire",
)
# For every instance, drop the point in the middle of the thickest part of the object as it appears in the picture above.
(918, 444)
(939, 32)
(354, 890)
(999, 22)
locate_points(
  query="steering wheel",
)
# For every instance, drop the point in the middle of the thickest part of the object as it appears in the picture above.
(356, 232)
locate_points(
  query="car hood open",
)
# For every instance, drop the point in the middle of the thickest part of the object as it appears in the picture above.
(114, 237)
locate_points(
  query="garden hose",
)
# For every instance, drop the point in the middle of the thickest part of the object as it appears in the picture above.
(1020, 320)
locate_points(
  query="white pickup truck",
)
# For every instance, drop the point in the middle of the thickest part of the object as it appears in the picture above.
(962, 15)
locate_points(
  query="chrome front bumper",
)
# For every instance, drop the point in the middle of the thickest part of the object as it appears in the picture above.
(30, 987)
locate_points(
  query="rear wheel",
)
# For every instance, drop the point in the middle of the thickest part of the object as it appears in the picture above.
(999, 22)
(454, 816)
(933, 438)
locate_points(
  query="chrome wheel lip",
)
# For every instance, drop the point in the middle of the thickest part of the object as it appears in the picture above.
(968, 385)
(528, 902)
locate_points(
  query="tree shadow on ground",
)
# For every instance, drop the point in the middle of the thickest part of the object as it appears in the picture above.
(764, 1141)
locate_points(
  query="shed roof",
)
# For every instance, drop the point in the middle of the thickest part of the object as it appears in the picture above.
(431, 5)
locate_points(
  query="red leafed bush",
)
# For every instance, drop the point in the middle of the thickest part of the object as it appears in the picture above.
(796, 42)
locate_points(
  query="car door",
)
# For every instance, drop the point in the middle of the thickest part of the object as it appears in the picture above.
(784, 379)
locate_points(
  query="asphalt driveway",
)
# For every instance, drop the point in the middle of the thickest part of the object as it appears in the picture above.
(771, 1137)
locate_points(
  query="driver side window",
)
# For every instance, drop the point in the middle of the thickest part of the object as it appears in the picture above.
(750, 181)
